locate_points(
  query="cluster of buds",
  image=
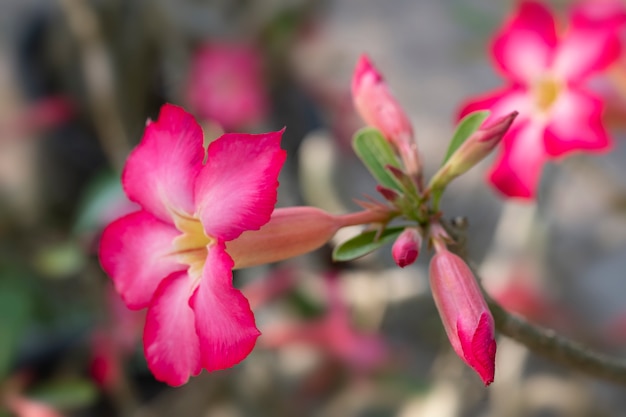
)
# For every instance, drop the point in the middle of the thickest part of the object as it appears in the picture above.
(390, 152)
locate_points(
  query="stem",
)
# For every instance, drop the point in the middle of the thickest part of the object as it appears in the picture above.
(99, 79)
(363, 217)
(549, 344)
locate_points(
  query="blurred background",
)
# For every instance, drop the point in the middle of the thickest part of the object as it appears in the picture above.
(79, 79)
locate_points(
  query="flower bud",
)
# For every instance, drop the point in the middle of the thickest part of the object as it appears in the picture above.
(464, 312)
(379, 109)
(406, 248)
(472, 151)
(290, 232)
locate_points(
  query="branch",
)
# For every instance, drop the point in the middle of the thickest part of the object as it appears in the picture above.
(550, 345)
(99, 79)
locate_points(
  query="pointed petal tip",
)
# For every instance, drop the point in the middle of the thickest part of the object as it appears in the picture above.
(483, 353)
(364, 68)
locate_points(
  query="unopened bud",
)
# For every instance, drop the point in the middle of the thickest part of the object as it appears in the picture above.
(406, 248)
(464, 312)
(472, 151)
(379, 109)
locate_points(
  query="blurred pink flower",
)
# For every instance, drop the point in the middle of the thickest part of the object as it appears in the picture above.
(26, 407)
(226, 85)
(464, 312)
(170, 256)
(38, 116)
(546, 71)
(333, 333)
(114, 341)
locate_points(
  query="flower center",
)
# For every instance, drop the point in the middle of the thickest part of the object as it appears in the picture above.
(546, 91)
(191, 245)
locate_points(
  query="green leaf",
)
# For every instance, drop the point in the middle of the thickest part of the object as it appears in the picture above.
(468, 125)
(365, 243)
(15, 313)
(67, 394)
(376, 153)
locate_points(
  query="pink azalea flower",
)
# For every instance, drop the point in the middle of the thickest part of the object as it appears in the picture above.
(170, 257)
(546, 70)
(226, 85)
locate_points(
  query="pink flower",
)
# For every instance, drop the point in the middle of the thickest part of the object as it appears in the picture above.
(170, 256)
(545, 70)
(41, 115)
(26, 407)
(334, 334)
(464, 312)
(226, 85)
(114, 341)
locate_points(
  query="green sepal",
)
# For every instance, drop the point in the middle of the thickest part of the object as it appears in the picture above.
(376, 154)
(365, 243)
(468, 125)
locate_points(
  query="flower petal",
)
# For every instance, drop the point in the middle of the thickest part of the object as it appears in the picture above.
(500, 103)
(236, 189)
(224, 322)
(586, 49)
(599, 13)
(161, 170)
(479, 346)
(523, 49)
(516, 172)
(170, 342)
(134, 253)
(576, 124)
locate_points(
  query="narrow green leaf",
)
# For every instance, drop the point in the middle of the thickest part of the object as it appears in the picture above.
(365, 243)
(376, 153)
(468, 125)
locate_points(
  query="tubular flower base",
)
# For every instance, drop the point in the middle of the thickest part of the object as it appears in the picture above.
(546, 71)
(464, 312)
(170, 257)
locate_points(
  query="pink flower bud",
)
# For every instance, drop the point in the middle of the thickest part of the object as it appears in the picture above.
(479, 145)
(375, 103)
(406, 248)
(379, 109)
(463, 310)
